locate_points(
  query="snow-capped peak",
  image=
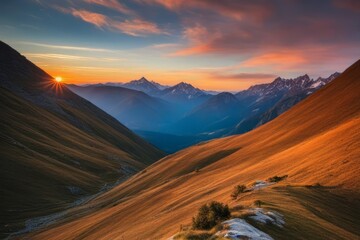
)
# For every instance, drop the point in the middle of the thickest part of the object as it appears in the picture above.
(292, 85)
(141, 85)
(185, 88)
(142, 80)
(322, 81)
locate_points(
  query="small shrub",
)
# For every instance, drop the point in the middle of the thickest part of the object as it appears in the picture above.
(277, 178)
(237, 190)
(210, 214)
(258, 203)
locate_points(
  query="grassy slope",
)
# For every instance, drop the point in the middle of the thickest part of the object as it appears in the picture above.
(51, 139)
(317, 141)
(42, 154)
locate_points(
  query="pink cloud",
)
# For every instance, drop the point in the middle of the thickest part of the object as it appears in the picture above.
(137, 27)
(234, 9)
(244, 76)
(133, 27)
(252, 28)
(313, 59)
(285, 59)
(97, 19)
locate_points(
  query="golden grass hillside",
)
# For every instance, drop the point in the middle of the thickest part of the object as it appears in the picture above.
(316, 143)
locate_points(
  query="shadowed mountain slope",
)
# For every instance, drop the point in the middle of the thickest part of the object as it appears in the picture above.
(135, 109)
(219, 112)
(56, 147)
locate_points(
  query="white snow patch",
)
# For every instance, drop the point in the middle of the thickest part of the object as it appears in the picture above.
(237, 228)
(259, 99)
(240, 229)
(316, 84)
(262, 216)
(261, 184)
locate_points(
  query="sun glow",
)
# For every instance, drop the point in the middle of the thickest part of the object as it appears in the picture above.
(58, 79)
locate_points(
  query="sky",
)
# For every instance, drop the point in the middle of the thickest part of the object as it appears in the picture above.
(224, 45)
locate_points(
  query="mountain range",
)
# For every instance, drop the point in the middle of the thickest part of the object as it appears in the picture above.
(189, 114)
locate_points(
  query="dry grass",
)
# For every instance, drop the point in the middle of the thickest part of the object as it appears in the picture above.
(42, 154)
(317, 141)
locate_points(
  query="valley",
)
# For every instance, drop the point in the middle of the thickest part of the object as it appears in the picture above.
(179, 120)
(320, 162)
(54, 141)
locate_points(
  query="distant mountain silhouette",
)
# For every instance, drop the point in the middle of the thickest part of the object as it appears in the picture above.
(135, 109)
(190, 114)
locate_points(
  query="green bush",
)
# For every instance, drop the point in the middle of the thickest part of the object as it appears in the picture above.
(277, 178)
(237, 190)
(209, 215)
(258, 203)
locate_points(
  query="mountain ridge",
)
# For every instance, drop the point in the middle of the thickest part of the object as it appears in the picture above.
(143, 85)
(53, 141)
(189, 111)
(131, 106)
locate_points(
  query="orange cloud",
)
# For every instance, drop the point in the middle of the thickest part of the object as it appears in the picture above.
(198, 49)
(195, 35)
(134, 27)
(97, 19)
(283, 59)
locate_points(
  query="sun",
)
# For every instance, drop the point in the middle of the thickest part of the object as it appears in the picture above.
(58, 79)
